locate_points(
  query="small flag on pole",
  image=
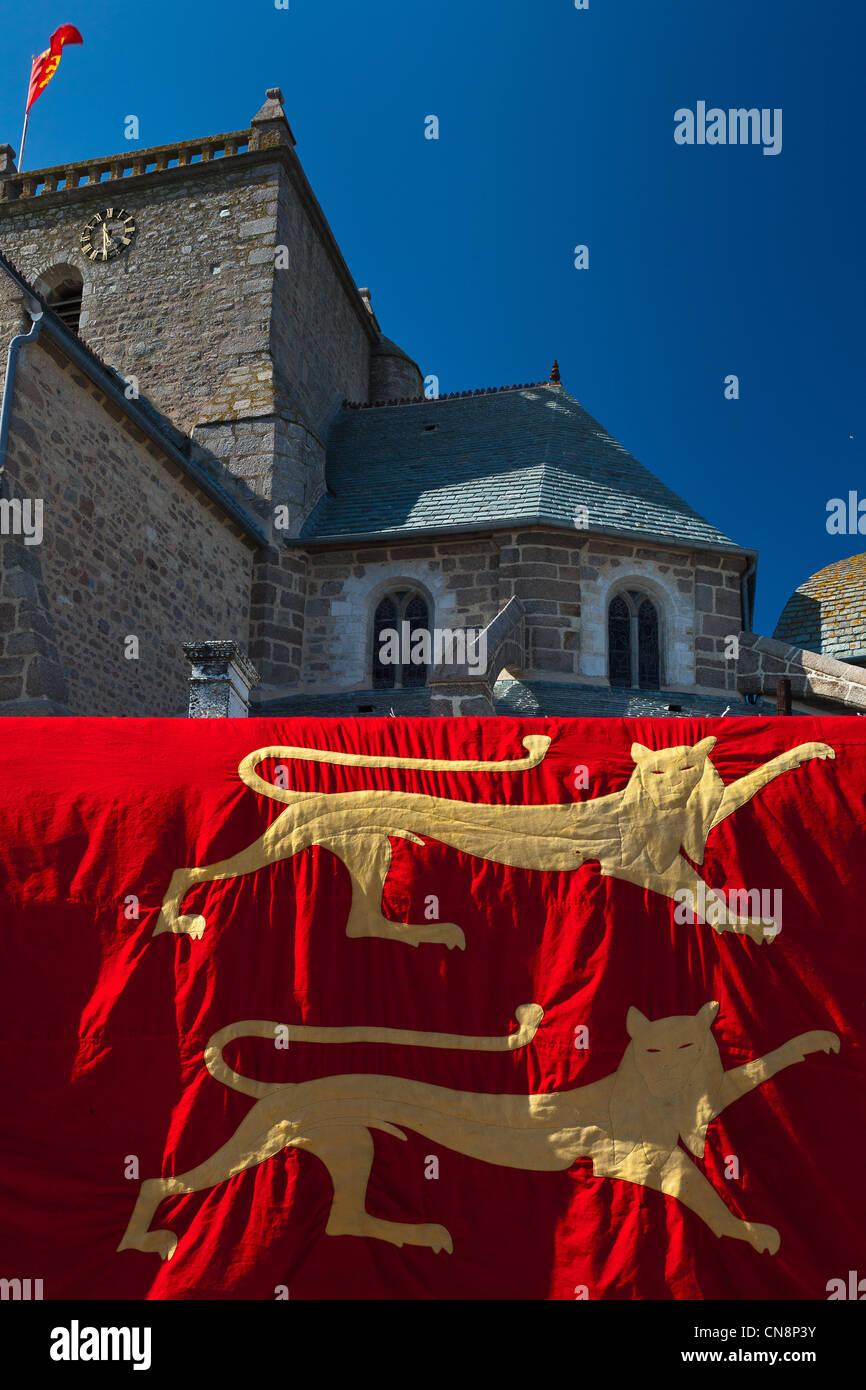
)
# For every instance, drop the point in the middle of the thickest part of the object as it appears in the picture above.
(47, 63)
(44, 67)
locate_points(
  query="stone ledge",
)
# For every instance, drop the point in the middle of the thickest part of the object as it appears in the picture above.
(37, 708)
(762, 660)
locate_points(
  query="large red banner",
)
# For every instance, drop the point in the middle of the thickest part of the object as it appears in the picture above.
(407, 1008)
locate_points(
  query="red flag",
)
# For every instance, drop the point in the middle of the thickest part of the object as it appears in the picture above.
(47, 63)
(433, 1009)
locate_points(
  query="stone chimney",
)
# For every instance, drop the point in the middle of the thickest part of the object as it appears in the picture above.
(221, 680)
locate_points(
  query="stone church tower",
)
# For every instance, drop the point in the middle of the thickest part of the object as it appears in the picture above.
(230, 312)
(232, 306)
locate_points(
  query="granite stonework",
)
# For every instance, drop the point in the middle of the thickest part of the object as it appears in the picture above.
(564, 582)
(220, 682)
(133, 553)
(819, 684)
(232, 310)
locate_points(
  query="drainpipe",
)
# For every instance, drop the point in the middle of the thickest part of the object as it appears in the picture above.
(751, 697)
(745, 596)
(11, 363)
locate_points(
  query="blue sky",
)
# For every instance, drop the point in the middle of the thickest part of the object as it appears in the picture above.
(556, 129)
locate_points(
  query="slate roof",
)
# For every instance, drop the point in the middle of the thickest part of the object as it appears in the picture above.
(347, 703)
(827, 613)
(498, 458)
(600, 702)
(538, 698)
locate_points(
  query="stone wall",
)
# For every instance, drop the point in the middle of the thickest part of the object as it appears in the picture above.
(131, 548)
(278, 599)
(719, 609)
(13, 320)
(393, 376)
(542, 569)
(697, 595)
(458, 577)
(564, 582)
(280, 459)
(32, 675)
(321, 339)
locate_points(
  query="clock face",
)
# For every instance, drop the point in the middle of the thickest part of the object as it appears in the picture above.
(107, 234)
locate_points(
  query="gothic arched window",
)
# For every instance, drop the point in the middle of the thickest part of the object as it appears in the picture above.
(619, 642)
(400, 659)
(633, 641)
(648, 646)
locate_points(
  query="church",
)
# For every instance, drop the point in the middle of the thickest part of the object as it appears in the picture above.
(235, 469)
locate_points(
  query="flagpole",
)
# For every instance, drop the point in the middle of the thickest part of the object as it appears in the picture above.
(26, 121)
(23, 142)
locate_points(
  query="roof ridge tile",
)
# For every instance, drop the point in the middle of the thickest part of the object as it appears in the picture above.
(446, 396)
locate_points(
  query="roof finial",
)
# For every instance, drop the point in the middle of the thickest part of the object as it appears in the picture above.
(554, 374)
